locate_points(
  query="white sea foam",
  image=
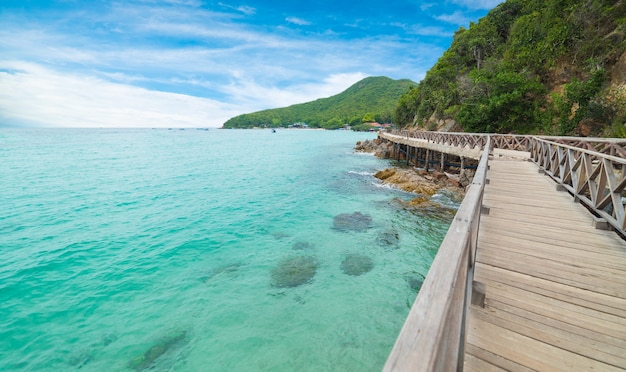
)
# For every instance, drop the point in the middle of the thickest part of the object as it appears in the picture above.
(361, 173)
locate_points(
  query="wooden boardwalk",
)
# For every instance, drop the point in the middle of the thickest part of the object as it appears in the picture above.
(555, 286)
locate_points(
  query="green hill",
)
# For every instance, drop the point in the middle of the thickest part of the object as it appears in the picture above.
(373, 98)
(529, 66)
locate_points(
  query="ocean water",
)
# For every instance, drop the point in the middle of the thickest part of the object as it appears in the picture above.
(155, 250)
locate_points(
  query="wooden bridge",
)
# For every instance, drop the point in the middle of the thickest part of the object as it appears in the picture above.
(531, 275)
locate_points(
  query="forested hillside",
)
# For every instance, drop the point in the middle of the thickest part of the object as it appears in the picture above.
(530, 66)
(371, 99)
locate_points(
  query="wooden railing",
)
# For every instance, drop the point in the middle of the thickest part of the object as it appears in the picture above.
(433, 336)
(469, 140)
(608, 146)
(594, 178)
(593, 170)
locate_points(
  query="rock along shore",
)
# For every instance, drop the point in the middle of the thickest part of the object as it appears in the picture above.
(416, 180)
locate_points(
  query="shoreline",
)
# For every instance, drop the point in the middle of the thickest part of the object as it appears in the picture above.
(421, 182)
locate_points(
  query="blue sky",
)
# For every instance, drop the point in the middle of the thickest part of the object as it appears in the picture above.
(196, 63)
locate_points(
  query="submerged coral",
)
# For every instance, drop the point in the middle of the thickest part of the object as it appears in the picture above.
(148, 358)
(388, 238)
(356, 221)
(220, 271)
(415, 281)
(303, 246)
(356, 264)
(294, 271)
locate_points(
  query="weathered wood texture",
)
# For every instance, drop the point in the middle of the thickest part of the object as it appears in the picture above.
(597, 179)
(555, 286)
(433, 336)
(606, 146)
(464, 151)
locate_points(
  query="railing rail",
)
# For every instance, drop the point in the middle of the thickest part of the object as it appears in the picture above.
(433, 336)
(608, 146)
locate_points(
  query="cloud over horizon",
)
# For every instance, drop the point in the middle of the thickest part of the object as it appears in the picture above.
(195, 63)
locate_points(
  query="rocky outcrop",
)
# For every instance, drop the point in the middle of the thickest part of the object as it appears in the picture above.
(417, 181)
(378, 147)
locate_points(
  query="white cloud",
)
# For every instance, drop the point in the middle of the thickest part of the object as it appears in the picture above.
(298, 21)
(423, 30)
(249, 92)
(135, 78)
(38, 96)
(247, 10)
(478, 4)
(457, 18)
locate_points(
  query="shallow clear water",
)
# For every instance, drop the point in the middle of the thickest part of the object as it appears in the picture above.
(135, 249)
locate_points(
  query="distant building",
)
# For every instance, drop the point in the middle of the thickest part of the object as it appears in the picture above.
(377, 126)
(299, 125)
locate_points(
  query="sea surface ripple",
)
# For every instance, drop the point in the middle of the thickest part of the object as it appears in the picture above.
(155, 249)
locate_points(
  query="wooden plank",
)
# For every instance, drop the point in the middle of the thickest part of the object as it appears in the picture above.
(521, 216)
(605, 246)
(602, 255)
(575, 258)
(589, 299)
(527, 351)
(494, 359)
(505, 225)
(473, 363)
(567, 312)
(589, 338)
(529, 201)
(596, 241)
(555, 271)
(569, 214)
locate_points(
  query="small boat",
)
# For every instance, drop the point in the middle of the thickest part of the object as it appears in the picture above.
(273, 130)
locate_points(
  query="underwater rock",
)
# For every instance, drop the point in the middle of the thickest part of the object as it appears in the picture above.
(155, 352)
(294, 271)
(414, 281)
(388, 237)
(280, 235)
(356, 264)
(424, 207)
(303, 246)
(79, 360)
(221, 270)
(356, 221)
(108, 339)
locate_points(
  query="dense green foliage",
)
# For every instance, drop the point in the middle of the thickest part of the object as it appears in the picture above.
(371, 99)
(529, 66)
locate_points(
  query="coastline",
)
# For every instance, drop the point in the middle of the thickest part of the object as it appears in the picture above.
(424, 184)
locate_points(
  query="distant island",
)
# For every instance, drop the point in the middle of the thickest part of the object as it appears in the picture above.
(368, 103)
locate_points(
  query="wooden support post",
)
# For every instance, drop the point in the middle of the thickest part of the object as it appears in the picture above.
(479, 290)
(427, 159)
(600, 223)
(443, 159)
(462, 164)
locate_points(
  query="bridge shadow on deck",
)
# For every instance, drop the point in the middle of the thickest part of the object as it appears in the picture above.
(555, 286)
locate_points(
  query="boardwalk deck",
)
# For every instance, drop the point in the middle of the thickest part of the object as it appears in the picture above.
(555, 286)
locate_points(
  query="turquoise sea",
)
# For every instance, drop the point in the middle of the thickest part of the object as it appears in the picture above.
(158, 250)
